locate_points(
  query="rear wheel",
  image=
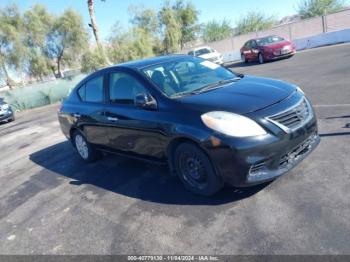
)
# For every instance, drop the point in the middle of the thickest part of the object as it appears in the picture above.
(85, 150)
(195, 170)
(244, 59)
(261, 58)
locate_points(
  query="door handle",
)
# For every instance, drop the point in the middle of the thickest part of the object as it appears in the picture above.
(77, 115)
(112, 118)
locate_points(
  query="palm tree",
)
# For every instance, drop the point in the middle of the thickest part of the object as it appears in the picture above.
(94, 27)
(93, 24)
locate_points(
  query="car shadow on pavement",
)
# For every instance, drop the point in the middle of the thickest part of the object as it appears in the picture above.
(240, 64)
(337, 117)
(335, 134)
(128, 177)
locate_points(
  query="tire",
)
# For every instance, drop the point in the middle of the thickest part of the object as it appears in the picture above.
(195, 170)
(261, 59)
(243, 58)
(83, 147)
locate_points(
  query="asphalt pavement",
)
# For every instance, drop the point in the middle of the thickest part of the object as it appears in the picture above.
(53, 203)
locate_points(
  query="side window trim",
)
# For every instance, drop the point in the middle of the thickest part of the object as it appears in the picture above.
(78, 92)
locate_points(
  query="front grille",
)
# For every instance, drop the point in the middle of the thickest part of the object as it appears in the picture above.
(212, 59)
(294, 117)
(298, 151)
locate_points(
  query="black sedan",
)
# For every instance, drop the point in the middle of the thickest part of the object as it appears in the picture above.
(210, 125)
(6, 112)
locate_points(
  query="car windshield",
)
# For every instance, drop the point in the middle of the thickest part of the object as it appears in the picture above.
(269, 40)
(203, 51)
(188, 75)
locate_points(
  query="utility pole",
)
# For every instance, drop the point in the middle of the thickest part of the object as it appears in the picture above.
(94, 27)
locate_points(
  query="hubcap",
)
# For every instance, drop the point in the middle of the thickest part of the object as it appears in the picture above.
(81, 146)
(192, 170)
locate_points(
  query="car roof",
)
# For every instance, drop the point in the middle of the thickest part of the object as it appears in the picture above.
(266, 37)
(140, 64)
(135, 65)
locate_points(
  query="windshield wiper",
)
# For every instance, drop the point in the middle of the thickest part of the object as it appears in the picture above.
(215, 85)
(207, 87)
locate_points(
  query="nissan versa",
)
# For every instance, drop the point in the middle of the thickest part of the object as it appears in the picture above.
(212, 126)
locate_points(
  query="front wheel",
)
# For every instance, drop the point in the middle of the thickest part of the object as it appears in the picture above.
(85, 150)
(244, 59)
(195, 170)
(261, 58)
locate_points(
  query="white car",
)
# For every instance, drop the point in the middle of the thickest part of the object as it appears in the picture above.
(208, 53)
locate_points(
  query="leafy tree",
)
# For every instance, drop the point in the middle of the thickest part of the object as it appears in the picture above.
(216, 30)
(135, 43)
(171, 28)
(92, 60)
(67, 39)
(12, 49)
(37, 24)
(143, 18)
(254, 21)
(311, 8)
(187, 16)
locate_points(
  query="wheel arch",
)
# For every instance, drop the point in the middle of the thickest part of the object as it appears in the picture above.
(72, 130)
(175, 142)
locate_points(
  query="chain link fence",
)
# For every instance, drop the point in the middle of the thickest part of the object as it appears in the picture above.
(40, 94)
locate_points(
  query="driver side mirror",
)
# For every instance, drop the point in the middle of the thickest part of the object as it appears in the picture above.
(145, 101)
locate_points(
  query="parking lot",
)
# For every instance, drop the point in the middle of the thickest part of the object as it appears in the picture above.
(53, 203)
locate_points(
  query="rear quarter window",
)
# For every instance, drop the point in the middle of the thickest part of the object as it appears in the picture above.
(81, 92)
(92, 90)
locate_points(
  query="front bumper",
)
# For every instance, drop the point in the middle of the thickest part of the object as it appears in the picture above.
(276, 57)
(260, 172)
(248, 161)
(6, 115)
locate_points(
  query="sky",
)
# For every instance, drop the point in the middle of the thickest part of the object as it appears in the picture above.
(110, 11)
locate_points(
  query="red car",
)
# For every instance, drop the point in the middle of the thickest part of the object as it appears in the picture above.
(267, 49)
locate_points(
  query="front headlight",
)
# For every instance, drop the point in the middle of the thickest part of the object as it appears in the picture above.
(232, 124)
(5, 107)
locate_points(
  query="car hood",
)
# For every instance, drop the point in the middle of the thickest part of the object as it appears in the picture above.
(278, 45)
(209, 55)
(244, 96)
